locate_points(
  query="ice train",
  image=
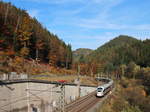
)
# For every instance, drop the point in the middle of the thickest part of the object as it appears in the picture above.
(104, 89)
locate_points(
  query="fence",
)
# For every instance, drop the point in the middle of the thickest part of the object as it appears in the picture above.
(13, 76)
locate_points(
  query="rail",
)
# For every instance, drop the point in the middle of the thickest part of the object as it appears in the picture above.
(85, 103)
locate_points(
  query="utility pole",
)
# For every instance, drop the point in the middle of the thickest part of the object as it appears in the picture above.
(78, 70)
(67, 61)
(62, 98)
(78, 81)
(28, 97)
(79, 90)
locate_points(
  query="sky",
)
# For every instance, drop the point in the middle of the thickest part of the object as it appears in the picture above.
(90, 23)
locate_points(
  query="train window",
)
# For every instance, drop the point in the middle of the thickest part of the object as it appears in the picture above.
(107, 88)
(104, 90)
(99, 89)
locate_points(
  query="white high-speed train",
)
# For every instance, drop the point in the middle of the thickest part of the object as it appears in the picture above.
(104, 89)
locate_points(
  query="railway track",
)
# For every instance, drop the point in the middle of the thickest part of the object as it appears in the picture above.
(82, 104)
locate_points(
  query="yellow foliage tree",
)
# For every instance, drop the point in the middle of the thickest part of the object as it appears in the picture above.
(24, 32)
(24, 51)
(23, 35)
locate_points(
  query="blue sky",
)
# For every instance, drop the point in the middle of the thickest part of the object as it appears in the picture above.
(90, 23)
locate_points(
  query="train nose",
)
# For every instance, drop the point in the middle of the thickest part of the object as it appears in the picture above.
(99, 94)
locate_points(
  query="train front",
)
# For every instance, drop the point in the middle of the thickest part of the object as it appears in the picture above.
(99, 92)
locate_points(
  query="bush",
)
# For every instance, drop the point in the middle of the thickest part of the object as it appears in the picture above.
(131, 109)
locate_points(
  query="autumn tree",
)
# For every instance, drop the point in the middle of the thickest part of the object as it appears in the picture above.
(26, 37)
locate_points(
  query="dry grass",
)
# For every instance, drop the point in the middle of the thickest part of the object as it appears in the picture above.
(70, 79)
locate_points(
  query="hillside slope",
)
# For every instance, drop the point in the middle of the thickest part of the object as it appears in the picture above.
(110, 50)
(80, 54)
(122, 50)
(21, 35)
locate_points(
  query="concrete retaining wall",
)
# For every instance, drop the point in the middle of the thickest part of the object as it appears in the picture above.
(43, 97)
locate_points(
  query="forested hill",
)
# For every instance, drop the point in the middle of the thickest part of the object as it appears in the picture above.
(80, 54)
(118, 41)
(21, 35)
(112, 49)
(120, 51)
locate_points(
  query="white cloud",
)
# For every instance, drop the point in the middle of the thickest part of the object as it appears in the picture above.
(113, 26)
(141, 27)
(102, 20)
